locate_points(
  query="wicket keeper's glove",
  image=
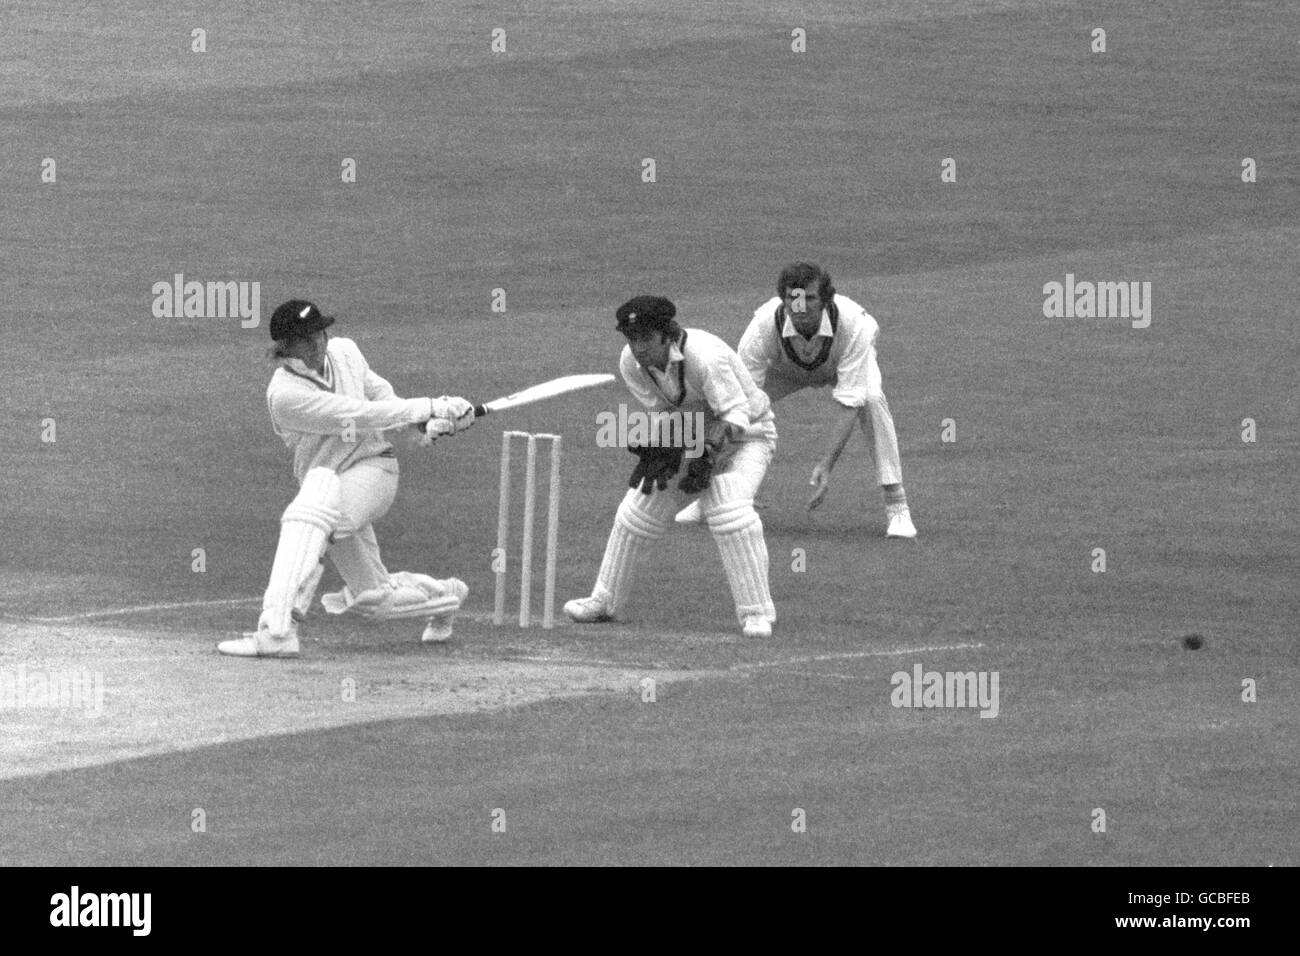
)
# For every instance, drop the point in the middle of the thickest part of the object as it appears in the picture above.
(699, 472)
(654, 467)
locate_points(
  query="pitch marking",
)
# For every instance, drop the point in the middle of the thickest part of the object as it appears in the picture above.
(139, 609)
(854, 655)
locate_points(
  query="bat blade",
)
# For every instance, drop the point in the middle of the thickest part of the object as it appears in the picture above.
(546, 390)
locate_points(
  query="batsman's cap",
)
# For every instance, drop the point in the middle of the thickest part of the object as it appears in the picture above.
(297, 318)
(645, 314)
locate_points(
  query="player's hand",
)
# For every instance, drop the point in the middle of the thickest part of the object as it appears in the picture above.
(654, 467)
(433, 429)
(457, 410)
(698, 473)
(821, 483)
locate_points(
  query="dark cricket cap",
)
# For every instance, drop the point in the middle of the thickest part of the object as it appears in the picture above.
(297, 318)
(645, 314)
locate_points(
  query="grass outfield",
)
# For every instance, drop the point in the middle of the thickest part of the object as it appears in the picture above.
(521, 171)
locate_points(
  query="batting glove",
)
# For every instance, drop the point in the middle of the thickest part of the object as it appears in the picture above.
(458, 411)
(433, 429)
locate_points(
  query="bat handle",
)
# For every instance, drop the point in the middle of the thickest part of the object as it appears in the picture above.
(480, 411)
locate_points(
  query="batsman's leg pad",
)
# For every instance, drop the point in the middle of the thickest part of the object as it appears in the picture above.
(640, 520)
(307, 590)
(738, 531)
(405, 596)
(305, 529)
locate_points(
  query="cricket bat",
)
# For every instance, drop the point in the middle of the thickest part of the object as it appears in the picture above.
(540, 393)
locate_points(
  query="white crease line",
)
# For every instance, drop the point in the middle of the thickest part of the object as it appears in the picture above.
(139, 609)
(854, 655)
(578, 662)
(832, 676)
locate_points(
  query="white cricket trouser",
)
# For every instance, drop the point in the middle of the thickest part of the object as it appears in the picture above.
(728, 505)
(367, 490)
(874, 417)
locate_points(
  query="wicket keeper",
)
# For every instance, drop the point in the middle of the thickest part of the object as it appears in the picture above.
(332, 410)
(671, 369)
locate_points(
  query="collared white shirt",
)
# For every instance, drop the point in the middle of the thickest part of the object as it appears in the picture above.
(336, 419)
(703, 375)
(850, 365)
(667, 380)
(807, 349)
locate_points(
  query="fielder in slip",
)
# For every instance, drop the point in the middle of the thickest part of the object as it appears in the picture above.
(810, 337)
(668, 368)
(331, 410)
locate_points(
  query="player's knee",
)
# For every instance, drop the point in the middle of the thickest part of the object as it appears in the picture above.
(739, 517)
(727, 505)
(645, 516)
(317, 501)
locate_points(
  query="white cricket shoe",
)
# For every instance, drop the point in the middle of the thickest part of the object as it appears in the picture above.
(438, 630)
(261, 644)
(900, 526)
(757, 626)
(588, 610)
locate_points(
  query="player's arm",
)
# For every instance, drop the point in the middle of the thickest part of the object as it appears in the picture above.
(722, 388)
(635, 379)
(324, 413)
(378, 388)
(843, 422)
(850, 394)
(754, 350)
(726, 396)
(655, 463)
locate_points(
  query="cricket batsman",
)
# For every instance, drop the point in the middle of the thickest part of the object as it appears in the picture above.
(809, 336)
(692, 372)
(332, 410)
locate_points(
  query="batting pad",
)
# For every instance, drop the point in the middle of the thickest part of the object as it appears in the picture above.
(406, 596)
(744, 558)
(728, 503)
(640, 519)
(307, 590)
(305, 529)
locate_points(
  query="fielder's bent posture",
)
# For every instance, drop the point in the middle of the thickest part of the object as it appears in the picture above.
(332, 410)
(810, 337)
(671, 369)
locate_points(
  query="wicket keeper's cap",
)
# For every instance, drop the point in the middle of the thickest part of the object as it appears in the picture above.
(297, 318)
(645, 314)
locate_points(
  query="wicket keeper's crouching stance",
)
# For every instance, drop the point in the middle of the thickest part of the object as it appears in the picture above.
(331, 409)
(670, 369)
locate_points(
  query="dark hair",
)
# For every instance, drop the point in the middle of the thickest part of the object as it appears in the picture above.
(670, 328)
(799, 275)
(280, 347)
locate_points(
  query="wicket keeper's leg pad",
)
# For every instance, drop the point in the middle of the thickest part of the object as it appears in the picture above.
(407, 595)
(738, 531)
(305, 529)
(640, 519)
